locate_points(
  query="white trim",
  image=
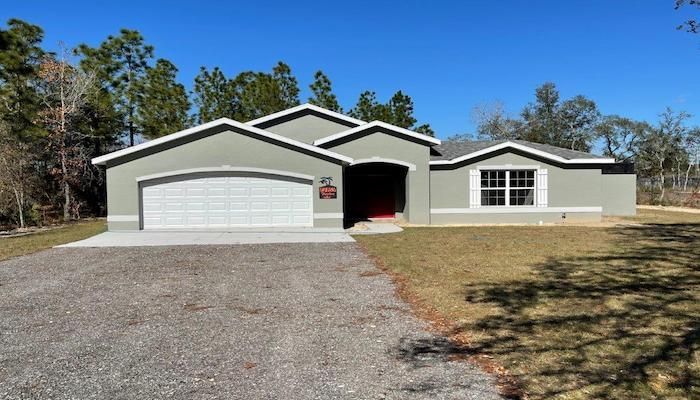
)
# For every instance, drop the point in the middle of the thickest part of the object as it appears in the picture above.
(373, 124)
(542, 187)
(411, 167)
(474, 189)
(506, 167)
(123, 218)
(526, 149)
(515, 210)
(302, 107)
(224, 168)
(328, 215)
(221, 121)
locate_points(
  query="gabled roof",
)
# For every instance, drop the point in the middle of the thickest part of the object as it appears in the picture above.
(377, 124)
(213, 124)
(455, 152)
(306, 107)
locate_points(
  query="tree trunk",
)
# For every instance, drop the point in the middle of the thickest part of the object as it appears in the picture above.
(131, 128)
(19, 197)
(66, 205)
(66, 188)
(662, 181)
(687, 175)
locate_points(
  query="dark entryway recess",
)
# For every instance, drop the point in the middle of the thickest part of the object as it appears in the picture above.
(374, 190)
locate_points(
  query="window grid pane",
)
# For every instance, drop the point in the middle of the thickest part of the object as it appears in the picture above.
(522, 197)
(493, 197)
(507, 187)
(493, 179)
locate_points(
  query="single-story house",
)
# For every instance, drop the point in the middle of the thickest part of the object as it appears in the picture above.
(311, 167)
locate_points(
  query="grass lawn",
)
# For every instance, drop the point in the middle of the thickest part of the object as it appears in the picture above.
(570, 312)
(17, 246)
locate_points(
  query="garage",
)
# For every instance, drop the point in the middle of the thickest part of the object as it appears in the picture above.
(221, 202)
(221, 176)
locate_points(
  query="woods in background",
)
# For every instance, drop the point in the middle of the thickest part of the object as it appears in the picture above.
(59, 109)
(666, 153)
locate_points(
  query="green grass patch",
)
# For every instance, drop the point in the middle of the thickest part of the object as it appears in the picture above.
(572, 312)
(21, 245)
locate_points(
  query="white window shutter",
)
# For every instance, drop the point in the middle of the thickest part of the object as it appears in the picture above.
(474, 185)
(541, 188)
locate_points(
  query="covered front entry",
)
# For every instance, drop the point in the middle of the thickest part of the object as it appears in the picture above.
(375, 190)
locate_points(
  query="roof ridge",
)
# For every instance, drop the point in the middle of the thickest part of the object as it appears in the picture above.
(302, 107)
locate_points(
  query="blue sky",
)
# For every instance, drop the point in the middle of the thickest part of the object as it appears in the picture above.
(449, 56)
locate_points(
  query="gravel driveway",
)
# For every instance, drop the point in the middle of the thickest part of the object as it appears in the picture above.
(274, 321)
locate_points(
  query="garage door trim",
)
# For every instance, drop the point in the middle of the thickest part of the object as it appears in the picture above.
(224, 168)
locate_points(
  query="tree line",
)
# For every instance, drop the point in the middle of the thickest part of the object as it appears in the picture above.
(668, 149)
(59, 109)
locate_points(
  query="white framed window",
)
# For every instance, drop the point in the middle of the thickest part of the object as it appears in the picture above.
(507, 188)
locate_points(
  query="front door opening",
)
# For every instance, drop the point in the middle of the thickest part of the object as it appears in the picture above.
(374, 191)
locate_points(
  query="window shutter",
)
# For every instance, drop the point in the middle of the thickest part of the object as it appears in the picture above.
(541, 188)
(474, 185)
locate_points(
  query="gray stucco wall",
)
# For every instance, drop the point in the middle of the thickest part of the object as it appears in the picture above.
(619, 194)
(225, 148)
(307, 128)
(383, 145)
(566, 188)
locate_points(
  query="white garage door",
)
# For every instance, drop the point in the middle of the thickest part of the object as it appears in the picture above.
(227, 202)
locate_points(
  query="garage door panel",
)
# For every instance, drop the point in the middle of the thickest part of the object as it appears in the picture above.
(239, 206)
(301, 192)
(259, 206)
(280, 206)
(301, 206)
(257, 191)
(239, 192)
(223, 202)
(216, 191)
(280, 192)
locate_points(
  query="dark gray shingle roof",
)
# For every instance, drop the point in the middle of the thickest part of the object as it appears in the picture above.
(451, 150)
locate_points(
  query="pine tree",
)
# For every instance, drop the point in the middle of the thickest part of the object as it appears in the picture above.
(400, 110)
(323, 93)
(288, 86)
(20, 57)
(368, 108)
(262, 94)
(121, 62)
(163, 105)
(214, 95)
(425, 129)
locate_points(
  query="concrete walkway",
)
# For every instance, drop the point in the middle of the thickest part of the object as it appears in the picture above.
(373, 228)
(163, 238)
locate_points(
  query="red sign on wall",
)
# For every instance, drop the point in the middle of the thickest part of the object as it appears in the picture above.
(327, 190)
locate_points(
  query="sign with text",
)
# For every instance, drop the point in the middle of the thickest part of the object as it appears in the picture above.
(327, 190)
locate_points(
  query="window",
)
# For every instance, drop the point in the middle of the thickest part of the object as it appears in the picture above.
(507, 187)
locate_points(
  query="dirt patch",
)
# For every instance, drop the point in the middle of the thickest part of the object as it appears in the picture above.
(193, 307)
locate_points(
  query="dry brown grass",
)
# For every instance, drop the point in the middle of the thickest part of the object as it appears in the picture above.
(571, 312)
(21, 245)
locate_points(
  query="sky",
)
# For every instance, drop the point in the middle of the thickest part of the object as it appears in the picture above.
(448, 56)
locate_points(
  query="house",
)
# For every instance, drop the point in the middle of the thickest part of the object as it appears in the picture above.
(311, 167)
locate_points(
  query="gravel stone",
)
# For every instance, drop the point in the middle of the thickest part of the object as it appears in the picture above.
(291, 321)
